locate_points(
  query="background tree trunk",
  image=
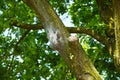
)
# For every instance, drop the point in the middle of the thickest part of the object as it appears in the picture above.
(117, 33)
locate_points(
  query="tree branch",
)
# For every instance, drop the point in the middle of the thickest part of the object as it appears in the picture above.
(61, 41)
(90, 32)
(15, 49)
(27, 26)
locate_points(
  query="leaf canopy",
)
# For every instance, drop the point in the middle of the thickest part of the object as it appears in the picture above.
(33, 58)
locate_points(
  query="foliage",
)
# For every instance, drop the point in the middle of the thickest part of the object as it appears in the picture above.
(33, 59)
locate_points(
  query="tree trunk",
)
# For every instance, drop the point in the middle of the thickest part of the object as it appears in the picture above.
(117, 33)
(68, 46)
(111, 16)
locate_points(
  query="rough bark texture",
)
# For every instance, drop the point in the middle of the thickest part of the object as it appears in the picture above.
(110, 14)
(68, 46)
(117, 33)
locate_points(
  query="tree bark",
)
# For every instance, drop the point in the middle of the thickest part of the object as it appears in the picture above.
(116, 55)
(60, 39)
(111, 16)
(106, 14)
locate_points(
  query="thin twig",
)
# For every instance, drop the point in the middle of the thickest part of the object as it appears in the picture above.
(15, 49)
